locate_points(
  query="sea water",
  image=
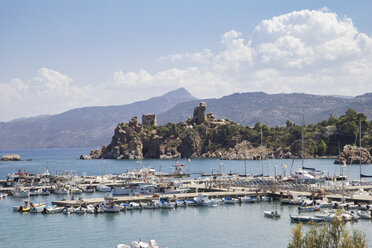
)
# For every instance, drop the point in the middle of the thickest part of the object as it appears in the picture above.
(240, 225)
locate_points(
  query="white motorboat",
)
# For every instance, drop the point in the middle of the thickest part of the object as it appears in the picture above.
(150, 205)
(135, 189)
(109, 206)
(20, 191)
(69, 210)
(75, 190)
(52, 209)
(3, 195)
(61, 190)
(248, 199)
(364, 215)
(204, 200)
(164, 202)
(141, 244)
(272, 214)
(81, 210)
(88, 189)
(303, 176)
(103, 188)
(135, 205)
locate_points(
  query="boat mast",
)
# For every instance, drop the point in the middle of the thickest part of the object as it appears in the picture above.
(103, 170)
(262, 165)
(360, 150)
(245, 167)
(302, 142)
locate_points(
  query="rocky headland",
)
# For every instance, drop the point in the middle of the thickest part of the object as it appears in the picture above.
(201, 136)
(351, 154)
(11, 157)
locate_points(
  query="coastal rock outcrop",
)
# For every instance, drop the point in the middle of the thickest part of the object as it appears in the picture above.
(351, 155)
(11, 157)
(85, 157)
(202, 136)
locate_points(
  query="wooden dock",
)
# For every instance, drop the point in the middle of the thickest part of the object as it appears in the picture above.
(148, 198)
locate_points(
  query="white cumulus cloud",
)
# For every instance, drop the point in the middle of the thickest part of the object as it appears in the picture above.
(311, 51)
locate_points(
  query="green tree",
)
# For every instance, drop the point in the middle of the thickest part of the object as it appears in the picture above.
(322, 148)
(333, 235)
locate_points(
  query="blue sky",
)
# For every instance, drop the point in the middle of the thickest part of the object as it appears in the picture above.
(91, 44)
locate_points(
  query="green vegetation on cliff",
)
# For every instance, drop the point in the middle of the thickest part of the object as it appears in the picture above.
(229, 140)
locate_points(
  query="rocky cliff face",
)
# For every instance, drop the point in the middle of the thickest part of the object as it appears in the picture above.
(11, 157)
(200, 136)
(351, 155)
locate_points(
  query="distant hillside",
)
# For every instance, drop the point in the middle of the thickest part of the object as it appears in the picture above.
(93, 126)
(83, 127)
(272, 109)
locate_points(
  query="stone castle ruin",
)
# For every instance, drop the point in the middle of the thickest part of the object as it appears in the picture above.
(199, 113)
(149, 120)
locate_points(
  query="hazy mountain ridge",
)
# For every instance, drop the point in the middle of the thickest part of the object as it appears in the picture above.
(93, 126)
(82, 127)
(272, 109)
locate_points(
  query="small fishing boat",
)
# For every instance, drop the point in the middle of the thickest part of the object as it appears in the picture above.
(191, 202)
(81, 210)
(272, 214)
(52, 209)
(248, 199)
(126, 206)
(109, 205)
(329, 217)
(229, 200)
(38, 208)
(304, 219)
(181, 203)
(25, 208)
(308, 208)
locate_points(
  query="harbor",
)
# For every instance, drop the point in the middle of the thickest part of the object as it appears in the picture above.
(235, 182)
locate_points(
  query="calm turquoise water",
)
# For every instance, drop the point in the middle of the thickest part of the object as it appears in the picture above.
(223, 226)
